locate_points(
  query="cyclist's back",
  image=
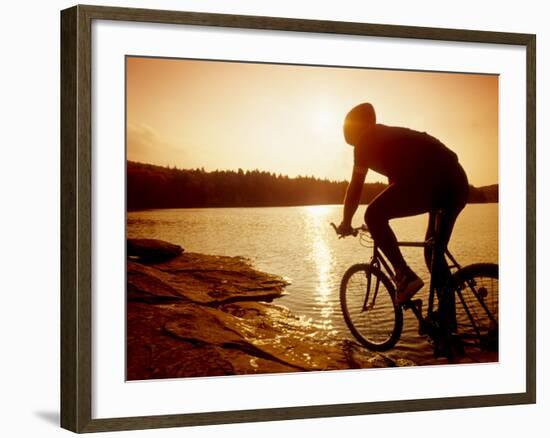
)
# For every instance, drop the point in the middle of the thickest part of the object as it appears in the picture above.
(402, 154)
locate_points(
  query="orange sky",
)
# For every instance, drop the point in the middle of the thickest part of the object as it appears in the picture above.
(288, 119)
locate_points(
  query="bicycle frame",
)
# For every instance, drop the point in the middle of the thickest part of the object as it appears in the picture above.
(379, 261)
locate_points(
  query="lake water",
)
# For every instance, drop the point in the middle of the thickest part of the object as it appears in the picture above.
(298, 244)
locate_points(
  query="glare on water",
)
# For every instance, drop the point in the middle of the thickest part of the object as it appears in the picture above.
(322, 258)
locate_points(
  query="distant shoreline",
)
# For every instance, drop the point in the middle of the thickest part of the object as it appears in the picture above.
(265, 206)
(151, 187)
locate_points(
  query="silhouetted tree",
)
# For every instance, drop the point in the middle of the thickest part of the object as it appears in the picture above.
(150, 186)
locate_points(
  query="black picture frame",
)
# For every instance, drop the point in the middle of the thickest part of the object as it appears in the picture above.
(76, 217)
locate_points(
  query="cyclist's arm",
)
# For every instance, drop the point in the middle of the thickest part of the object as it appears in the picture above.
(353, 193)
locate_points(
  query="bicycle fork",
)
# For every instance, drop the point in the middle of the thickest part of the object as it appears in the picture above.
(366, 305)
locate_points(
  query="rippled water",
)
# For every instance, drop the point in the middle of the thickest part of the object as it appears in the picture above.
(299, 244)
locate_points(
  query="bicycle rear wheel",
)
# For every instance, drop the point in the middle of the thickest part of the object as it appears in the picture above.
(476, 303)
(367, 300)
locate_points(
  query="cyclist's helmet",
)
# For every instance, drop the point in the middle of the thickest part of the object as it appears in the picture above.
(358, 120)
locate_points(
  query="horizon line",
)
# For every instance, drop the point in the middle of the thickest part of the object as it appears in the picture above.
(277, 174)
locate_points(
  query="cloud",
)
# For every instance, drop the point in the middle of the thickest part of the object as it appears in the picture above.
(146, 145)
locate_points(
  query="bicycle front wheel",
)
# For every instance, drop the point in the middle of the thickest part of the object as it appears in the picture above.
(476, 303)
(369, 308)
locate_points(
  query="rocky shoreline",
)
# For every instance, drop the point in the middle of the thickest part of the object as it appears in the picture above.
(192, 315)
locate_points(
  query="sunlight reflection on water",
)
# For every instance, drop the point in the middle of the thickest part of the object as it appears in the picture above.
(321, 254)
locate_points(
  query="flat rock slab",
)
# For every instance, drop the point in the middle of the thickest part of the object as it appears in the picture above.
(199, 315)
(203, 279)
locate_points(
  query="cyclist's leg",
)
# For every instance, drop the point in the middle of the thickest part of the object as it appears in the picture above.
(447, 218)
(397, 200)
(441, 273)
(450, 201)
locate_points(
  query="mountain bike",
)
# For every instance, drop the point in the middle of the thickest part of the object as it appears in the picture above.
(467, 305)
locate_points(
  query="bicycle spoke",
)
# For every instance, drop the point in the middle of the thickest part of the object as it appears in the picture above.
(481, 302)
(477, 305)
(467, 310)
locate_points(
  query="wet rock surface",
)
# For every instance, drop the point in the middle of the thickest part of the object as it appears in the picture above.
(200, 315)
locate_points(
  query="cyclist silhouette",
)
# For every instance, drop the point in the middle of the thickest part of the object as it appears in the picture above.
(423, 175)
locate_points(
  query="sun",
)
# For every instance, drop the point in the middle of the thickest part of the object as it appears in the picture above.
(325, 120)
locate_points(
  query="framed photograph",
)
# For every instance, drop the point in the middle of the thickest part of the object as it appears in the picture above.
(269, 218)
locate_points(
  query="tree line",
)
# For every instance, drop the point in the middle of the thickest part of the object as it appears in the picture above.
(150, 186)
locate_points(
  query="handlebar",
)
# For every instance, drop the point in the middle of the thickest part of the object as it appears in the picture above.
(355, 230)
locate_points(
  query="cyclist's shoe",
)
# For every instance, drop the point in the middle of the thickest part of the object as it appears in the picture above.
(408, 284)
